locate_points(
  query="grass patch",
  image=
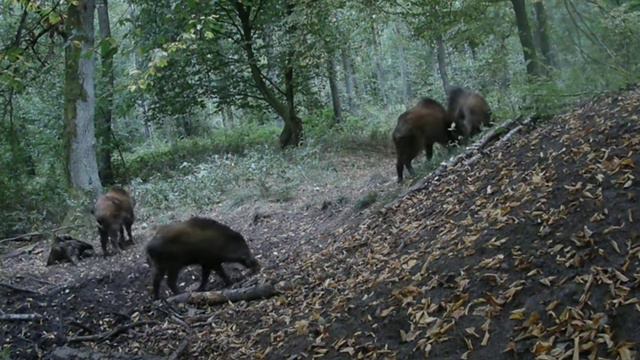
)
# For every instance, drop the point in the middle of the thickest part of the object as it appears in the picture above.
(364, 202)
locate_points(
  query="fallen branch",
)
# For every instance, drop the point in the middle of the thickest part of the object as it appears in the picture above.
(109, 334)
(20, 317)
(35, 234)
(256, 292)
(181, 348)
(20, 251)
(19, 289)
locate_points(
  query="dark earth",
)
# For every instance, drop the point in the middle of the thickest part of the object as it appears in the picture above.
(531, 251)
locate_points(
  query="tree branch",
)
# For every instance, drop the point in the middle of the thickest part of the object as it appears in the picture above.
(109, 334)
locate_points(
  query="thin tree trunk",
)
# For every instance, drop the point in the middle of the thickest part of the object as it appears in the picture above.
(227, 116)
(526, 40)
(105, 106)
(333, 86)
(404, 71)
(378, 65)
(543, 32)
(442, 63)
(79, 98)
(348, 78)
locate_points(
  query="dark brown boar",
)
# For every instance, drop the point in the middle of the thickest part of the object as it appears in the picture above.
(197, 241)
(469, 111)
(67, 249)
(114, 214)
(419, 128)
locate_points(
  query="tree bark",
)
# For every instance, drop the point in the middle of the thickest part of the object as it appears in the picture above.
(260, 291)
(543, 32)
(378, 65)
(349, 78)
(404, 71)
(105, 106)
(442, 62)
(79, 98)
(291, 134)
(526, 40)
(333, 86)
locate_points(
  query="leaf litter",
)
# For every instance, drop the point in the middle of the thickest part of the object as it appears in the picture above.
(533, 252)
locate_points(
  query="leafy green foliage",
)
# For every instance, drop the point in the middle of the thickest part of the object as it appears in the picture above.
(185, 95)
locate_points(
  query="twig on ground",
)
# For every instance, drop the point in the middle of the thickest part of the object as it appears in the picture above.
(20, 289)
(20, 317)
(39, 233)
(109, 334)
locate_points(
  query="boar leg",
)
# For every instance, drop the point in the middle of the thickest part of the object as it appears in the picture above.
(429, 150)
(206, 271)
(122, 239)
(409, 167)
(399, 168)
(104, 237)
(158, 275)
(127, 224)
(172, 279)
(220, 271)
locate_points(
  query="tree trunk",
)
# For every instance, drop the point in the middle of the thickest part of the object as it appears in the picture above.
(333, 86)
(79, 98)
(404, 71)
(378, 65)
(227, 116)
(442, 63)
(105, 106)
(526, 40)
(349, 78)
(292, 131)
(543, 33)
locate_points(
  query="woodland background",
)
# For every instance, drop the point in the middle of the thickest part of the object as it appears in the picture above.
(190, 101)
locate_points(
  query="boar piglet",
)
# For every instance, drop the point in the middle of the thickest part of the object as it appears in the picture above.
(197, 241)
(114, 213)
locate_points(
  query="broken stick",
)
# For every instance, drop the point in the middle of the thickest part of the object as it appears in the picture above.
(256, 292)
(19, 289)
(109, 334)
(20, 317)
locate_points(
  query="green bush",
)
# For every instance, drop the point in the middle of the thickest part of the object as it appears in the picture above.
(160, 158)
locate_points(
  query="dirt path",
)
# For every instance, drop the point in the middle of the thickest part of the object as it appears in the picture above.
(103, 293)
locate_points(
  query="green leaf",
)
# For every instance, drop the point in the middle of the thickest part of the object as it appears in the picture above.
(54, 18)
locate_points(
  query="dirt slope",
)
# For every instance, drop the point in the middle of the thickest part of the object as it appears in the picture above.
(534, 250)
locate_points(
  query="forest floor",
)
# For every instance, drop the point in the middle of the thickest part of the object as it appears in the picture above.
(531, 251)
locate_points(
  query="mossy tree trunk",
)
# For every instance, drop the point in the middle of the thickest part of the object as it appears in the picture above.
(105, 105)
(349, 78)
(442, 62)
(333, 86)
(542, 31)
(526, 40)
(79, 98)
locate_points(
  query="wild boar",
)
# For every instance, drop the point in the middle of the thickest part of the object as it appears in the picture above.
(67, 249)
(469, 111)
(197, 241)
(419, 128)
(114, 213)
